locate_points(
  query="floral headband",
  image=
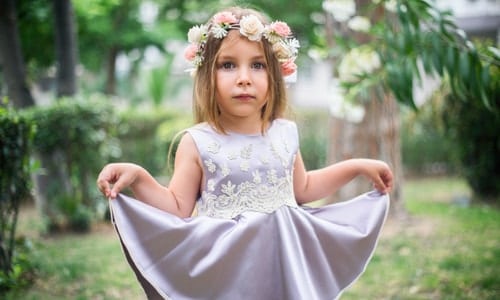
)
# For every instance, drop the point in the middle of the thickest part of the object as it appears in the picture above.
(278, 34)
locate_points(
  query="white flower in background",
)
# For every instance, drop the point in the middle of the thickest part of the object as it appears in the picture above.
(390, 5)
(358, 61)
(359, 23)
(341, 10)
(341, 108)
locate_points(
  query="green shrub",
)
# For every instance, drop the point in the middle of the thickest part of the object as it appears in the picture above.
(145, 136)
(475, 130)
(16, 133)
(74, 138)
(425, 148)
(24, 267)
(313, 132)
(167, 137)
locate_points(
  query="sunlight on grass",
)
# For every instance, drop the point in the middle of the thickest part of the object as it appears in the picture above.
(445, 250)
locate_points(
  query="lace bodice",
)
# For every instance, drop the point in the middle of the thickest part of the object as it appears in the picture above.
(246, 172)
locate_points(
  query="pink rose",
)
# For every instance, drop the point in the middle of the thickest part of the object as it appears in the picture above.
(280, 28)
(190, 52)
(224, 17)
(288, 68)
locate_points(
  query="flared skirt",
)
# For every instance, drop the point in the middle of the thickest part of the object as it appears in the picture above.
(292, 253)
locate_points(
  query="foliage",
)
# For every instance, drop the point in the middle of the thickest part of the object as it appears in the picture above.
(24, 268)
(73, 140)
(413, 38)
(146, 135)
(167, 138)
(36, 32)
(313, 137)
(111, 25)
(16, 133)
(426, 149)
(475, 130)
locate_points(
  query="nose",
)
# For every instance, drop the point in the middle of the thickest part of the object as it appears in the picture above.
(244, 77)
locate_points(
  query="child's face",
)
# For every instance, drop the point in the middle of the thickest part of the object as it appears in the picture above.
(241, 78)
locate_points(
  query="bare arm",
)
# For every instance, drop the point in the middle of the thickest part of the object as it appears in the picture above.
(317, 184)
(179, 198)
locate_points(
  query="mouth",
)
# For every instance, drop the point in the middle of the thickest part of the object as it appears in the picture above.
(244, 97)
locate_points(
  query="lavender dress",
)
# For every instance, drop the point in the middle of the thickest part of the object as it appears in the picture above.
(250, 239)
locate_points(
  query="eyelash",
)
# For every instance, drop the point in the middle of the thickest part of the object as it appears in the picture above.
(230, 65)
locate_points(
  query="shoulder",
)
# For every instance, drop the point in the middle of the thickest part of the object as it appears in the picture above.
(285, 123)
(285, 126)
(187, 144)
(286, 130)
(200, 127)
(200, 132)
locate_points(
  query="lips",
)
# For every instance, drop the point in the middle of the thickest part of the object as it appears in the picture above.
(244, 97)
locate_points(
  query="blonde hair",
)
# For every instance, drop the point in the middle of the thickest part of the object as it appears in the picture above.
(205, 106)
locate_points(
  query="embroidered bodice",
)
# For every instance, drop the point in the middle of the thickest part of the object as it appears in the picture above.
(246, 172)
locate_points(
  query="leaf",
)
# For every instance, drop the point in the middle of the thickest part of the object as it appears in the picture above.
(485, 75)
(465, 67)
(452, 61)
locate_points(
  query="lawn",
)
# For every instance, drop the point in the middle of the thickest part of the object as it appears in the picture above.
(445, 249)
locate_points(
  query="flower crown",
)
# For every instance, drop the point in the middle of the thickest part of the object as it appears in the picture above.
(278, 34)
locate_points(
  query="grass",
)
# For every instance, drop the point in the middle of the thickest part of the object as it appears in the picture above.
(443, 250)
(77, 266)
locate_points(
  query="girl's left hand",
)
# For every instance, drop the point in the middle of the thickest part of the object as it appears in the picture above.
(380, 174)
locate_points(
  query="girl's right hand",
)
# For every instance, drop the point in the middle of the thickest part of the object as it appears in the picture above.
(117, 176)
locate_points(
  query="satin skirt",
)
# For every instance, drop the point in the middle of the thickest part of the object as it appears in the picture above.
(292, 253)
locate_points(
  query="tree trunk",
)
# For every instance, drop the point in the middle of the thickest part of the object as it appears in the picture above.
(11, 57)
(376, 136)
(110, 72)
(66, 47)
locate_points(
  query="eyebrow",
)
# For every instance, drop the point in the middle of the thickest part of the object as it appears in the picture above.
(232, 57)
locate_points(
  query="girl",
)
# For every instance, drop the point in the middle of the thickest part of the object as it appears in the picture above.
(242, 166)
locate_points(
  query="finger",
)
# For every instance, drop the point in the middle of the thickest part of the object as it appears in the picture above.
(388, 180)
(379, 185)
(103, 186)
(106, 178)
(117, 187)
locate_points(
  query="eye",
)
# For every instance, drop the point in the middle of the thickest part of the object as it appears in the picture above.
(258, 65)
(226, 65)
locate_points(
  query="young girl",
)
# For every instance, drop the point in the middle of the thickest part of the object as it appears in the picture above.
(241, 166)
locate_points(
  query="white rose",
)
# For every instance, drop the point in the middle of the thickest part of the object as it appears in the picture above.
(197, 33)
(282, 51)
(251, 27)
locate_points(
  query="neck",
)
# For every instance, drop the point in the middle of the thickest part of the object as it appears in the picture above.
(242, 125)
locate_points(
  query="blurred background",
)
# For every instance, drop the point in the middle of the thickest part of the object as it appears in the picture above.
(415, 83)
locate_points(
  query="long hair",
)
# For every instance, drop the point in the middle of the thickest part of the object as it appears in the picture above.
(205, 106)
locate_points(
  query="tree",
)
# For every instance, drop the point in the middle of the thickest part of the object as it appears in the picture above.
(109, 28)
(11, 57)
(412, 39)
(16, 133)
(66, 48)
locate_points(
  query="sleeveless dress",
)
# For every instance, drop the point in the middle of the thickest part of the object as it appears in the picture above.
(250, 239)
